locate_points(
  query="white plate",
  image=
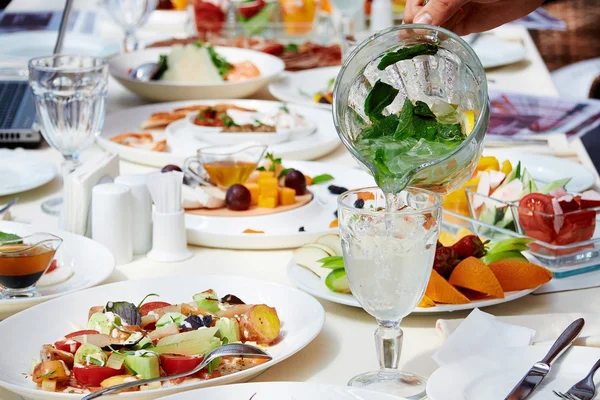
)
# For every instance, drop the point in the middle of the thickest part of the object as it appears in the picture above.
(281, 229)
(310, 283)
(300, 87)
(575, 80)
(496, 52)
(302, 319)
(217, 137)
(282, 391)
(493, 374)
(121, 65)
(545, 169)
(90, 262)
(26, 45)
(323, 141)
(22, 171)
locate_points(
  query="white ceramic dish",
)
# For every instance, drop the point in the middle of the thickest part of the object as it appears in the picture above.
(310, 283)
(281, 229)
(182, 145)
(300, 87)
(282, 391)
(22, 171)
(122, 64)
(90, 263)
(575, 80)
(26, 45)
(302, 319)
(496, 52)
(215, 136)
(545, 169)
(493, 374)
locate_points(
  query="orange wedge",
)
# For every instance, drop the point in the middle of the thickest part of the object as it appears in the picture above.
(472, 273)
(426, 302)
(334, 223)
(440, 291)
(519, 275)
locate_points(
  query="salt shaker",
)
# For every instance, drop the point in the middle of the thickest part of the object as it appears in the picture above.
(381, 15)
(141, 208)
(112, 220)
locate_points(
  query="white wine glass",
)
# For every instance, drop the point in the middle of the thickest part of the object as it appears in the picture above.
(70, 98)
(388, 246)
(130, 15)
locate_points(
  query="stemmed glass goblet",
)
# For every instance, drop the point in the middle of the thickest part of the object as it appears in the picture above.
(388, 250)
(130, 15)
(70, 98)
(345, 25)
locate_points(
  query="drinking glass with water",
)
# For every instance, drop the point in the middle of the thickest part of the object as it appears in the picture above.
(70, 97)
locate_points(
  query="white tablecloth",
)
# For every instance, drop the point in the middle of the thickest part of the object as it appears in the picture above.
(346, 346)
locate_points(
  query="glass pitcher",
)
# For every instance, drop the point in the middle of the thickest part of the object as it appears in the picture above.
(454, 75)
(23, 261)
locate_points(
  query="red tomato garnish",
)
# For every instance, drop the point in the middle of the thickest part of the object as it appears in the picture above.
(93, 375)
(206, 376)
(52, 267)
(72, 347)
(534, 223)
(153, 305)
(174, 364)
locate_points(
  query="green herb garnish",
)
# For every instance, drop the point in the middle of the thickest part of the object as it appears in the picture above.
(322, 179)
(96, 362)
(222, 65)
(47, 375)
(146, 298)
(162, 66)
(380, 96)
(284, 172)
(274, 161)
(285, 108)
(292, 48)
(406, 53)
(5, 237)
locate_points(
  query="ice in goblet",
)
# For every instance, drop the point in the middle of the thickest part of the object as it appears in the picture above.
(388, 257)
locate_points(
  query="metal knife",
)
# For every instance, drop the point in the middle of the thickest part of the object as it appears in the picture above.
(540, 369)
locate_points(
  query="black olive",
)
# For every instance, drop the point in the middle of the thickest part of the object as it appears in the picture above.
(335, 213)
(231, 299)
(193, 322)
(337, 189)
(207, 320)
(301, 229)
(360, 203)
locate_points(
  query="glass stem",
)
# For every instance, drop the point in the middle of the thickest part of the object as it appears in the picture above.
(130, 42)
(69, 165)
(345, 32)
(388, 341)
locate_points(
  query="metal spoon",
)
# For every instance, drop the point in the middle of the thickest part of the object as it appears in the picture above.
(228, 350)
(144, 72)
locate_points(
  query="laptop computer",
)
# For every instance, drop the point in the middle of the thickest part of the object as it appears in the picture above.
(18, 126)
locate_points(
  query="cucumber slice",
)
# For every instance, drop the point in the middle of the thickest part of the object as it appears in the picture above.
(207, 300)
(170, 318)
(557, 184)
(146, 366)
(337, 281)
(229, 328)
(200, 335)
(89, 354)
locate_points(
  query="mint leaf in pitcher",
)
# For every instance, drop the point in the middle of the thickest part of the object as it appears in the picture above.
(380, 96)
(406, 53)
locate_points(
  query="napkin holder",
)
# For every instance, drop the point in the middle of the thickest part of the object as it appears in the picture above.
(78, 188)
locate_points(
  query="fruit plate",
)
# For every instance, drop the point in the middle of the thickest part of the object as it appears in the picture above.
(281, 230)
(283, 391)
(300, 87)
(88, 264)
(121, 65)
(302, 319)
(310, 283)
(182, 145)
(492, 374)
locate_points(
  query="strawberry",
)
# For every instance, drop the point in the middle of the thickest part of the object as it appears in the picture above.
(469, 246)
(445, 260)
(249, 9)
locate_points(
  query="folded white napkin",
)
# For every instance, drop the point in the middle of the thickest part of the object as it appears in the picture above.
(481, 331)
(78, 190)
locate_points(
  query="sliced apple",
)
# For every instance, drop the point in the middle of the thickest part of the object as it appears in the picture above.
(330, 252)
(333, 241)
(496, 178)
(509, 192)
(308, 257)
(483, 189)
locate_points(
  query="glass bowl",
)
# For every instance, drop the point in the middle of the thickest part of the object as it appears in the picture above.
(454, 75)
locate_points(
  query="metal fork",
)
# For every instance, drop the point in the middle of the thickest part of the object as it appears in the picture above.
(584, 389)
(227, 350)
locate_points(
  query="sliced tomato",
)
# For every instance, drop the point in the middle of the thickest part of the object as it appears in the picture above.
(52, 267)
(93, 375)
(532, 219)
(175, 364)
(64, 344)
(577, 227)
(153, 305)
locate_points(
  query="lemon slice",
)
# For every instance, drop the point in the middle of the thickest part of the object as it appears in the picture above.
(467, 121)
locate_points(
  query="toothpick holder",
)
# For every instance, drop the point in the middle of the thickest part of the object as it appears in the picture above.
(169, 241)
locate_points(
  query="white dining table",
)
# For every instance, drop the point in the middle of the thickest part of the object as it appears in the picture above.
(345, 347)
